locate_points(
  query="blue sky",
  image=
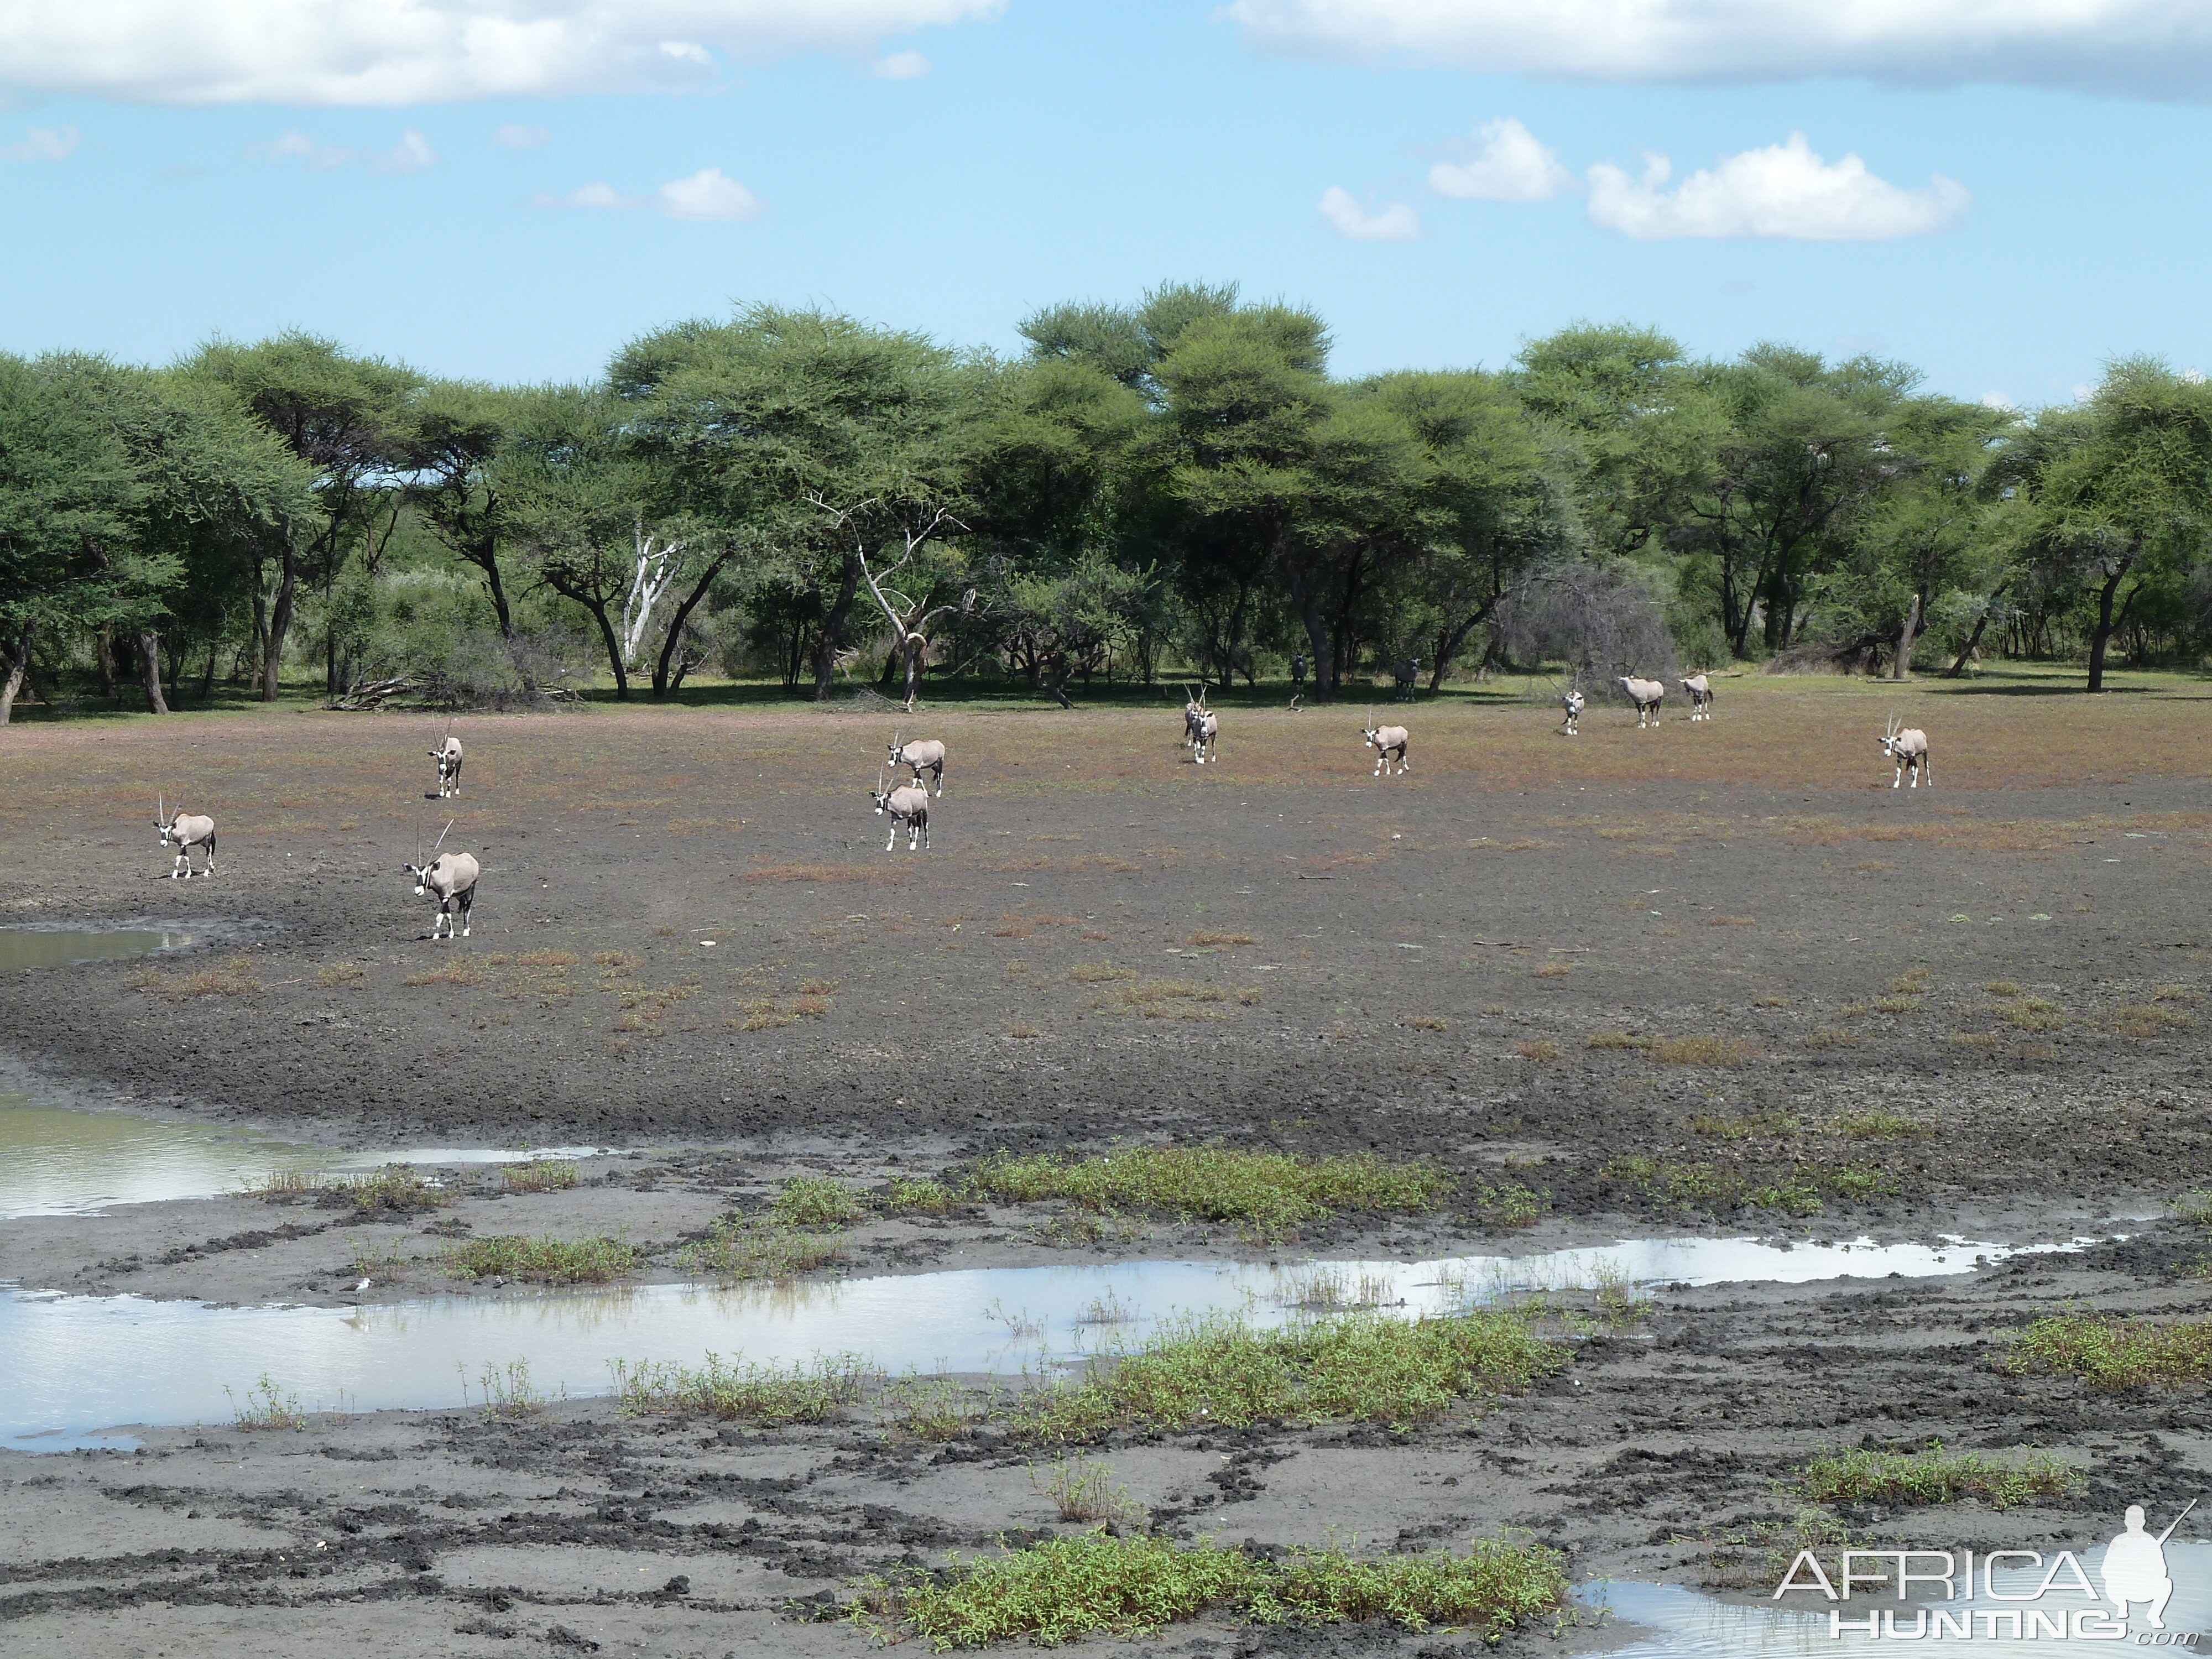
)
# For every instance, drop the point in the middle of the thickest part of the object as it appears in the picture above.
(2033, 200)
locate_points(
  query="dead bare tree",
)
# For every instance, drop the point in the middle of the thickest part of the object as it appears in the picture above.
(1599, 618)
(910, 615)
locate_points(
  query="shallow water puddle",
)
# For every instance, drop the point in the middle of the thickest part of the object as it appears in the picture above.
(58, 947)
(70, 1365)
(1687, 1623)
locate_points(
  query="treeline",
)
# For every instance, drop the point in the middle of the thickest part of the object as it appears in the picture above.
(1177, 486)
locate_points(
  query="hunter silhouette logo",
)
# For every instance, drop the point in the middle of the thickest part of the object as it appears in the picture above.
(2009, 1594)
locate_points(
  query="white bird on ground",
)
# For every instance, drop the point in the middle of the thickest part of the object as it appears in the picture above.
(359, 1288)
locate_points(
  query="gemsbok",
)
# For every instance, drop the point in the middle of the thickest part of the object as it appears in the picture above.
(184, 832)
(1572, 699)
(448, 754)
(451, 877)
(907, 804)
(1387, 741)
(1403, 674)
(1646, 694)
(919, 758)
(1700, 689)
(1909, 749)
(1202, 726)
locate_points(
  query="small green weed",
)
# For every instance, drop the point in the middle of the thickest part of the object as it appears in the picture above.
(1674, 1185)
(394, 1187)
(918, 1195)
(929, 1408)
(267, 1406)
(548, 1260)
(1082, 1490)
(1933, 1476)
(816, 1201)
(2112, 1353)
(759, 1394)
(755, 1248)
(538, 1175)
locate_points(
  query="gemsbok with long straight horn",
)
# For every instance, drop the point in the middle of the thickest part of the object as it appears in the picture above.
(448, 754)
(184, 831)
(451, 877)
(1700, 688)
(1202, 726)
(1387, 741)
(1646, 694)
(907, 806)
(919, 758)
(1909, 748)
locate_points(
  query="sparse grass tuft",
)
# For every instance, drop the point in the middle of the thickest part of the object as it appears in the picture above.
(1022, 1031)
(267, 1406)
(816, 1201)
(279, 1186)
(1554, 970)
(1425, 1023)
(1803, 1190)
(538, 1175)
(393, 1187)
(2034, 1014)
(2195, 1207)
(1097, 973)
(918, 1195)
(1082, 1490)
(1060, 1589)
(336, 974)
(1615, 1040)
(756, 1394)
(1268, 1192)
(1933, 1476)
(1511, 1205)
(931, 1408)
(1208, 938)
(1827, 1037)
(739, 1251)
(231, 977)
(1731, 921)
(546, 958)
(454, 970)
(2112, 1353)
(1542, 1051)
(1770, 1001)
(547, 1260)
(2001, 987)
(1701, 1050)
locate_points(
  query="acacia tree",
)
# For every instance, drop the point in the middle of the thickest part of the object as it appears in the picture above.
(453, 447)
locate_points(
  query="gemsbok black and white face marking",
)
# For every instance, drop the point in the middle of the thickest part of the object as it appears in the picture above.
(907, 804)
(1202, 726)
(1387, 742)
(919, 758)
(1572, 702)
(1909, 749)
(1701, 696)
(184, 831)
(1646, 694)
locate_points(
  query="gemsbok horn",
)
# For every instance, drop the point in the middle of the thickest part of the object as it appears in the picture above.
(184, 832)
(1202, 726)
(1646, 694)
(1700, 689)
(448, 754)
(1909, 749)
(451, 877)
(1387, 741)
(919, 758)
(907, 804)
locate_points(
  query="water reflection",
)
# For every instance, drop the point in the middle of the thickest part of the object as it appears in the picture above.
(83, 1363)
(58, 947)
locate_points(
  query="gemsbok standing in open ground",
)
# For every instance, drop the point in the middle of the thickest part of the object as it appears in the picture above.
(919, 758)
(1646, 694)
(1202, 726)
(1387, 741)
(1572, 699)
(184, 831)
(452, 878)
(448, 754)
(907, 804)
(1909, 749)
(1700, 689)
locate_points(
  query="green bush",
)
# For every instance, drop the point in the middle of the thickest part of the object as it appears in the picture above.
(1933, 1476)
(738, 1250)
(816, 1201)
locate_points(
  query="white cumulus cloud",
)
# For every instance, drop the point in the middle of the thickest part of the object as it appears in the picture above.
(1507, 164)
(2157, 48)
(409, 51)
(1782, 190)
(43, 144)
(901, 66)
(709, 193)
(1397, 223)
(514, 135)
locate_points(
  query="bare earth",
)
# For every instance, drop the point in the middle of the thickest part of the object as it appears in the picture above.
(1985, 1001)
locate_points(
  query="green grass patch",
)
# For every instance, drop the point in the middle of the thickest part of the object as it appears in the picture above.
(540, 1175)
(1267, 1191)
(2110, 1353)
(1510, 1205)
(393, 1187)
(1933, 1476)
(2195, 1207)
(548, 1260)
(768, 1394)
(1060, 1589)
(918, 1195)
(1803, 1189)
(816, 1201)
(1219, 1371)
(739, 1250)
(266, 1407)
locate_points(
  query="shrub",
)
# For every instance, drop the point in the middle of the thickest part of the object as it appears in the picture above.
(816, 1201)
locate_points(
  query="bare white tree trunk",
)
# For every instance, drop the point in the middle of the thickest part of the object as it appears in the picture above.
(655, 572)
